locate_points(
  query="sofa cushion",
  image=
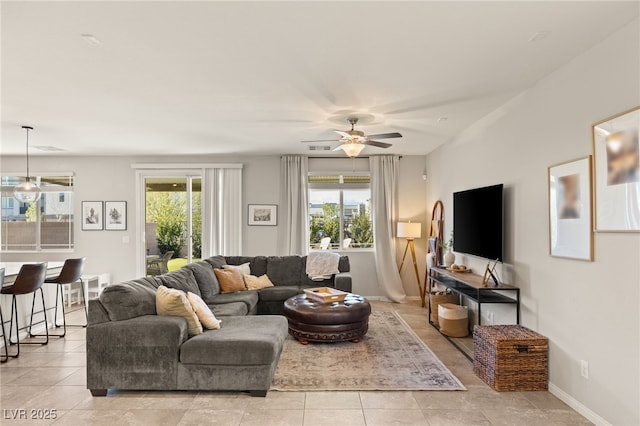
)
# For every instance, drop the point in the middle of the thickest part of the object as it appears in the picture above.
(206, 279)
(174, 302)
(181, 279)
(284, 270)
(130, 299)
(278, 293)
(206, 317)
(241, 341)
(232, 309)
(216, 261)
(343, 265)
(249, 298)
(258, 265)
(256, 283)
(230, 280)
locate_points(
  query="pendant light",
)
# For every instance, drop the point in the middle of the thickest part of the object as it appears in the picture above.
(27, 192)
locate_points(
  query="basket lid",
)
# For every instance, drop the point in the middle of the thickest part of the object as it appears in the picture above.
(506, 332)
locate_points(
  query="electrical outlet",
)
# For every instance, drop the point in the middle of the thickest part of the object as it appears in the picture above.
(584, 369)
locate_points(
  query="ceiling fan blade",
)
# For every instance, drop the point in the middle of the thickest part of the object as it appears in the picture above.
(337, 148)
(378, 144)
(321, 140)
(385, 135)
(343, 134)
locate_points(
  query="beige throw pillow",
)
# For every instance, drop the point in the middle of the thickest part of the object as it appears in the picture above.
(171, 301)
(256, 283)
(203, 312)
(245, 269)
(230, 280)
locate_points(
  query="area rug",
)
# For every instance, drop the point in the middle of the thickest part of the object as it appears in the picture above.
(389, 357)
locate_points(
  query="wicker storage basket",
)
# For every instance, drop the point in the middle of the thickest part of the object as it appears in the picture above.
(435, 299)
(510, 357)
(454, 320)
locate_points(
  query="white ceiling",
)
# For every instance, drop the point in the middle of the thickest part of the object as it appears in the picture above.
(259, 77)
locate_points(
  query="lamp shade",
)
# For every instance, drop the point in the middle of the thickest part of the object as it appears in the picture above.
(352, 149)
(409, 230)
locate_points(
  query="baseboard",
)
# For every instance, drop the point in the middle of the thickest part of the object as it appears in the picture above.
(577, 405)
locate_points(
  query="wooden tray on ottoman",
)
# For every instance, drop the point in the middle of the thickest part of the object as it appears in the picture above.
(510, 357)
(325, 294)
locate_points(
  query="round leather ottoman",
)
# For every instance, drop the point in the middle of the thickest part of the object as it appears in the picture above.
(311, 321)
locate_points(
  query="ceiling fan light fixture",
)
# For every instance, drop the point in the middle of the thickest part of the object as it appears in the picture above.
(352, 149)
(27, 191)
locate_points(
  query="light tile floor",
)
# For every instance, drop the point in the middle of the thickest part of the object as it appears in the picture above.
(50, 381)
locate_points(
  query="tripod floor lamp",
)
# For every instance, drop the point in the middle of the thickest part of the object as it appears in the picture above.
(411, 231)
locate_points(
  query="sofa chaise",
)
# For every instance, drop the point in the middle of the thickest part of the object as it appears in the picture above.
(130, 346)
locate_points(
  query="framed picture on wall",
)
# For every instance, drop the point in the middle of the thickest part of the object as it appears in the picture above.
(616, 157)
(115, 213)
(263, 214)
(570, 215)
(92, 216)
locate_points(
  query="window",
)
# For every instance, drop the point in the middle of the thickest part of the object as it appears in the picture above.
(46, 224)
(340, 209)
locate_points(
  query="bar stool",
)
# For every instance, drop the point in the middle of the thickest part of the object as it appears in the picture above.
(29, 280)
(70, 273)
(4, 336)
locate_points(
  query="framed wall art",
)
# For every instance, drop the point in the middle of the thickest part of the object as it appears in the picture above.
(115, 213)
(616, 159)
(263, 214)
(92, 216)
(570, 210)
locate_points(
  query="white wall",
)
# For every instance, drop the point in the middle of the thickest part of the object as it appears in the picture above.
(589, 311)
(412, 207)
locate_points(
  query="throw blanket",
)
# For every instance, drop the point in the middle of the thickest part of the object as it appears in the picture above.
(322, 265)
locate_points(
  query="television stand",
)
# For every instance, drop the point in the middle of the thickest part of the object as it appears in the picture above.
(469, 285)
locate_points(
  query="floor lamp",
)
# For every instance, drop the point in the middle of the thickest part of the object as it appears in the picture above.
(411, 231)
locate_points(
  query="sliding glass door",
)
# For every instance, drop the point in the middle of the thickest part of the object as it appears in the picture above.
(173, 220)
(190, 211)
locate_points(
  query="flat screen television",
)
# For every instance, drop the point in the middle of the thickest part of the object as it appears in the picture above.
(478, 222)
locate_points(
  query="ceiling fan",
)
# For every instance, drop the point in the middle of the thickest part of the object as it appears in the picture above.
(354, 141)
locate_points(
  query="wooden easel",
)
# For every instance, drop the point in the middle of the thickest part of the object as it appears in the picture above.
(435, 231)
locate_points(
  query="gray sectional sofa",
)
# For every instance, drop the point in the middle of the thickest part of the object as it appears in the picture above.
(130, 347)
(287, 273)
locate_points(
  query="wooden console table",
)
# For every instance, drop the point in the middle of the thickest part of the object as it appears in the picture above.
(469, 285)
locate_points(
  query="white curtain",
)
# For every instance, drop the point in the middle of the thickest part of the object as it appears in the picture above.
(222, 235)
(384, 203)
(293, 235)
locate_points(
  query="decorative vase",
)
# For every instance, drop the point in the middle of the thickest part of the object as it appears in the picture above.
(449, 258)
